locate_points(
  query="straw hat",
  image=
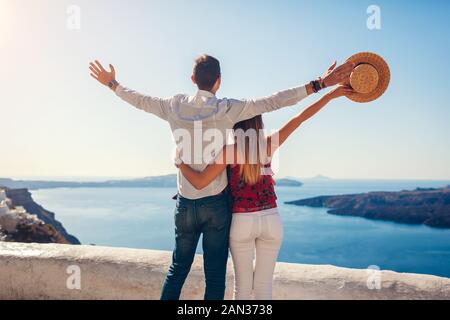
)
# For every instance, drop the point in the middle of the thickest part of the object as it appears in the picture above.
(370, 78)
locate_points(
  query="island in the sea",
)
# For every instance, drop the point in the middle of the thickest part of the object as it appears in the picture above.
(429, 206)
(167, 181)
(287, 182)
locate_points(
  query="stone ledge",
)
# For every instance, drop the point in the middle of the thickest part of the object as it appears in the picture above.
(39, 271)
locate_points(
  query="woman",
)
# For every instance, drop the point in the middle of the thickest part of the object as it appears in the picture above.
(256, 225)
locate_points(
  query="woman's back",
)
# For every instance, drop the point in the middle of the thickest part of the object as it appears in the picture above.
(251, 198)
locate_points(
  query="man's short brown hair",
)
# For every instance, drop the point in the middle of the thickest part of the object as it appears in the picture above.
(206, 72)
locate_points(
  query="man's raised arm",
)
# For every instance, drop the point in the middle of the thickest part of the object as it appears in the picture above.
(156, 106)
(245, 109)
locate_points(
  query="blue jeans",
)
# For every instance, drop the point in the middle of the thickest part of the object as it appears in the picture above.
(210, 216)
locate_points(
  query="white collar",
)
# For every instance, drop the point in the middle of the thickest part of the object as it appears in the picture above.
(205, 93)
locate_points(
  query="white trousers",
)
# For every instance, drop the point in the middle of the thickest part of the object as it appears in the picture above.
(261, 233)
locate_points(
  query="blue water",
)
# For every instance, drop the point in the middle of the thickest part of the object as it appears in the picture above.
(143, 218)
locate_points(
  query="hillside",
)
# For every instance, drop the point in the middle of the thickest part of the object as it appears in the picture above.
(430, 207)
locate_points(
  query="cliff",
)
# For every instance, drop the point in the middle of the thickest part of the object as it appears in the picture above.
(421, 206)
(50, 231)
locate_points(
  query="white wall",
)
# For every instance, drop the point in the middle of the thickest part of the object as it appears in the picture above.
(34, 271)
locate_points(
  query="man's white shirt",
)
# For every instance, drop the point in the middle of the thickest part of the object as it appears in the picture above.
(194, 115)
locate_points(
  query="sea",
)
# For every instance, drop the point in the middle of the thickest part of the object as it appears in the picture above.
(143, 218)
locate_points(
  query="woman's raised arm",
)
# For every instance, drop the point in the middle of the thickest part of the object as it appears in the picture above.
(279, 137)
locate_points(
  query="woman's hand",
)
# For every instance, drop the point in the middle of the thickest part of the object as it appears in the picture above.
(339, 91)
(101, 75)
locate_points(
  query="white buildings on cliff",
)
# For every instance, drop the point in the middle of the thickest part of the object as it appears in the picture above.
(11, 216)
(4, 208)
(2, 195)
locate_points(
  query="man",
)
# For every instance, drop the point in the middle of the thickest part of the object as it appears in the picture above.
(206, 212)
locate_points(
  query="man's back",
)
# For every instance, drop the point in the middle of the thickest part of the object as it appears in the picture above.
(200, 125)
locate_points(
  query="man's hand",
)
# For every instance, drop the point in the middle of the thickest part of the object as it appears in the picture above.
(101, 75)
(339, 75)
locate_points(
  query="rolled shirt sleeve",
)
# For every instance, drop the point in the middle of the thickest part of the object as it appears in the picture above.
(240, 110)
(157, 106)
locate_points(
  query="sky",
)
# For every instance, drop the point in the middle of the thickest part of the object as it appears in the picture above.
(56, 121)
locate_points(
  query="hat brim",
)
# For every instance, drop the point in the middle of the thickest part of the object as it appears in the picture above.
(384, 76)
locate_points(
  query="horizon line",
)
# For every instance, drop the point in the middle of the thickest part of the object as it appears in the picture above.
(105, 178)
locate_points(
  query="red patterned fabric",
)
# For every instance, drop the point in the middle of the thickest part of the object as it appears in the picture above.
(247, 198)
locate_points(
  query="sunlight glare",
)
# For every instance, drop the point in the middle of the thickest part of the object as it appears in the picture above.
(3, 19)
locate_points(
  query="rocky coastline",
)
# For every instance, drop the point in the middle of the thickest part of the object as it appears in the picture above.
(429, 206)
(23, 220)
